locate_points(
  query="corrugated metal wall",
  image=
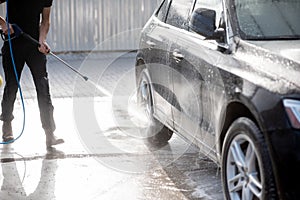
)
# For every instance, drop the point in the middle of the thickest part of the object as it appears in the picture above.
(83, 25)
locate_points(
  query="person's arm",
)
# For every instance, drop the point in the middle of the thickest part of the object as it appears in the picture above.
(2, 23)
(44, 29)
(3, 26)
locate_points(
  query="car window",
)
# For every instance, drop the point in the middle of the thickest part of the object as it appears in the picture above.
(179, 12)
(215, 5)
(163, 10)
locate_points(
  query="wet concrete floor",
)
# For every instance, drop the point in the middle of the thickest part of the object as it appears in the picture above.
(105, 155)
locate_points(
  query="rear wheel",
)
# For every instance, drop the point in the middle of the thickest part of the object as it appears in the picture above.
(157, 132)
(246, 166)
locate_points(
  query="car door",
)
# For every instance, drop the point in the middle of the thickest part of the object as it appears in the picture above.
(186, 99)
(155, 43)
(197, 84)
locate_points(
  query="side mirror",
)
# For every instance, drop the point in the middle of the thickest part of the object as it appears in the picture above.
(203, 21)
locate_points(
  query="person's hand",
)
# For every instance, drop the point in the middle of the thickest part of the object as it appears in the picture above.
(44, 47)
(5, 29)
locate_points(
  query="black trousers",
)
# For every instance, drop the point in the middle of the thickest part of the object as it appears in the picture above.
(25, 52)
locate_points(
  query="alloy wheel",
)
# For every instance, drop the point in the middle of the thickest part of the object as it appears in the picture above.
(243, 170)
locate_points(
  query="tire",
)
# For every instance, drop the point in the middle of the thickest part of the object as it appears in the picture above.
(246, 165)
(157, 133)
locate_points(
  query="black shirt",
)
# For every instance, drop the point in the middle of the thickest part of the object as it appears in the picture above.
(27, 14)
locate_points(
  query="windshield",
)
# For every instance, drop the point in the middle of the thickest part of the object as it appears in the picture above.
(268, 19)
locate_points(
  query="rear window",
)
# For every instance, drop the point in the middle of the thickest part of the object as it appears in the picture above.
(179, 12)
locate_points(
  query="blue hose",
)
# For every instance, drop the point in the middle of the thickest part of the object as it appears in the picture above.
(17, 79)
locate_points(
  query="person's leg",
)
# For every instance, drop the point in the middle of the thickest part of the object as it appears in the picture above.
(37, 63)
(10, 89)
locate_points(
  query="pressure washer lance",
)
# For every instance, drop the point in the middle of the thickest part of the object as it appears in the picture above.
(19, 32)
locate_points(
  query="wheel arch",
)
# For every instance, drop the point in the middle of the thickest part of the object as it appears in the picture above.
(234, 110)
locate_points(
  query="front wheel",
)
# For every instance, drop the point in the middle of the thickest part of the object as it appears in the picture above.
(246, 166)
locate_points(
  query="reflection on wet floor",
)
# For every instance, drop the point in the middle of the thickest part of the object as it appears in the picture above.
(59, 176)
(13, 180)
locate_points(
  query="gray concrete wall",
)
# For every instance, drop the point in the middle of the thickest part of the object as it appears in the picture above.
(109, 25)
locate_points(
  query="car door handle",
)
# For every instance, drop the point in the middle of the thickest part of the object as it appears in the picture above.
(178, 56)
(151, 44)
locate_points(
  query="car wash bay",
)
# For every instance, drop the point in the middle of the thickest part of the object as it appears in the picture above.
(104, 155)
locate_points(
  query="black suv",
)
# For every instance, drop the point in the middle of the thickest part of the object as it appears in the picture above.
(225, 74)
